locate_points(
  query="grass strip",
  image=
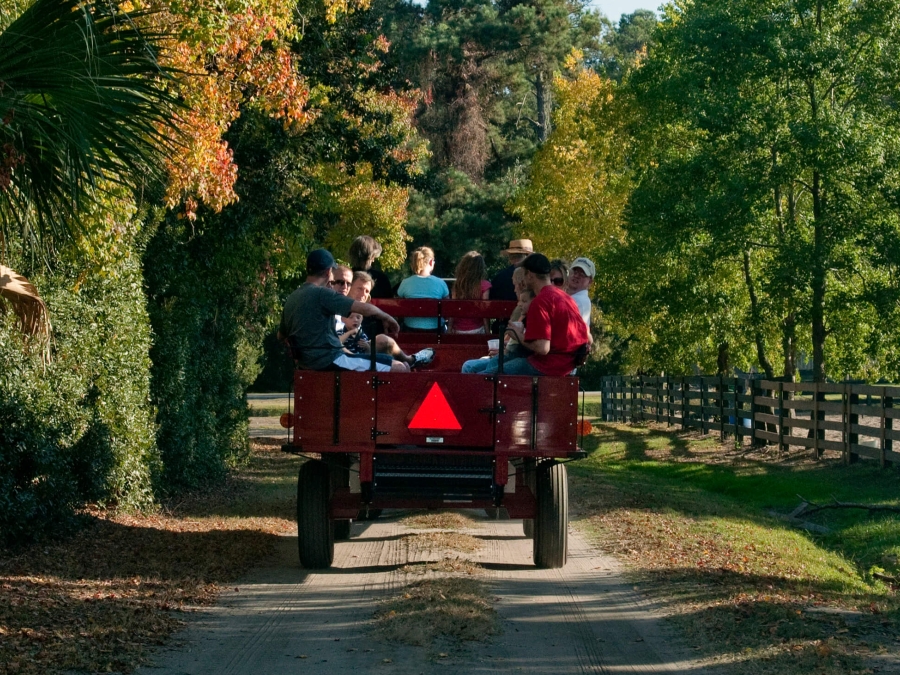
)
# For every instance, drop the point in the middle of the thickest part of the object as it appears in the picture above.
(443, 520)
(690, 518)
(434, 609)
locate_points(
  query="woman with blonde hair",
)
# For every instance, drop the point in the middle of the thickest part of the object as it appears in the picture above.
(471, 284)
(559, 273)
(422, 285)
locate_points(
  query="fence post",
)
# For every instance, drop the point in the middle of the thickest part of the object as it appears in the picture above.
(617, 397)
(668, 401)
(820, 416)
(721, 408)
(886, 403)
(781, 447)
(702, 420)
(641, 404)
(852, 419)
(756, 390)
(845, 426)
(683, 405)
(737, 408)
(659, 389)
(632, 389)
(789, 395)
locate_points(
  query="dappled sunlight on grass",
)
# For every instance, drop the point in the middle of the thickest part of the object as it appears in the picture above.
(691, 519)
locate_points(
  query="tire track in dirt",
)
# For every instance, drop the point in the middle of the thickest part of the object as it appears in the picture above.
(583, 618)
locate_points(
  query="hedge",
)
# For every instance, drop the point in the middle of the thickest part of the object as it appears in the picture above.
(79, 429)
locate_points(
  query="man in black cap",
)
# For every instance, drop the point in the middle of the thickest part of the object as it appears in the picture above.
(307, 322)
(554, 332)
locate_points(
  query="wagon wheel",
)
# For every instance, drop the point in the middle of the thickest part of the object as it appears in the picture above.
(528, 478)
(552, 519)
(315, 532)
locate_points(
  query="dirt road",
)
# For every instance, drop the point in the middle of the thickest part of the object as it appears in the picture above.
(583, 618)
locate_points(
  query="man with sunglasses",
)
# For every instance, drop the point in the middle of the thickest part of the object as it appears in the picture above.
(342, 279)
(307, 322)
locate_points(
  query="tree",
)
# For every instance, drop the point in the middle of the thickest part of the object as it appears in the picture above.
(83, 106)
(625, 44)
(578, 184)
(545, 32)
(215, 283)
(781, 113)
(82, 111)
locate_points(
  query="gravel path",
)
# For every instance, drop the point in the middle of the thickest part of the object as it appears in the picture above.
(584, 618)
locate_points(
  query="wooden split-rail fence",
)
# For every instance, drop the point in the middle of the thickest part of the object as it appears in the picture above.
(855, 420)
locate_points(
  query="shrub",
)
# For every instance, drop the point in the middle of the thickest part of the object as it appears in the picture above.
(79, 429)
(203, 288)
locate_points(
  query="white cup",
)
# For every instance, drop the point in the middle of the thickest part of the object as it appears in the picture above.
(494, 345)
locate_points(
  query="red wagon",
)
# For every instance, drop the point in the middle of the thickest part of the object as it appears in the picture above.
(434, 438)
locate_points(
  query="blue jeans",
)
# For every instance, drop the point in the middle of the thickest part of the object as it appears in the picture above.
(490, 366)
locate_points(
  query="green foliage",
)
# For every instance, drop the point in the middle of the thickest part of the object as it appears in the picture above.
(767, 157)
(215, 284)
(11, 10)
(208, 309)
(625, 44)
(82, 108)
(459, 216)
(79, 429)
(578, 181)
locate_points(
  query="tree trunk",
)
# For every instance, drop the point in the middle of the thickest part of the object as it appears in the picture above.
(764, 362)
(722, 360)
(789, 346)
(818, 282)
(544, 97)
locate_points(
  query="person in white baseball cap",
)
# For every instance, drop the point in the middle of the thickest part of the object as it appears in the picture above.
(581, 276)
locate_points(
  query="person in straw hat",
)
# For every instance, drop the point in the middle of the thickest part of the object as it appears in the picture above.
(502, 287)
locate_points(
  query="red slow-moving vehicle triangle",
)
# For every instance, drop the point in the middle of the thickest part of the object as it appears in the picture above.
(435, 412)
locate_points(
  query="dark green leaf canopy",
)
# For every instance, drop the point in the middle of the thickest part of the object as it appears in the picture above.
(82, 104)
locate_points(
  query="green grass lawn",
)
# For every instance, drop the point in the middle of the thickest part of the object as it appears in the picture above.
(268, 407)
(692, 520)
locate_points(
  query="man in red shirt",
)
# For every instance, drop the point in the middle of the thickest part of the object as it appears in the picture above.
(554, 330)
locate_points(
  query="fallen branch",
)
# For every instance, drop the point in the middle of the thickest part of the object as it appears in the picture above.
(802, 524)
(805, 509)
(894, 581)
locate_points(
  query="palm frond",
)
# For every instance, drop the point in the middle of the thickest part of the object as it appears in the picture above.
(83, 101)
(20, 295)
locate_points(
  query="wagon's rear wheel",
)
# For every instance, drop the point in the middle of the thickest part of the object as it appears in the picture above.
(551, 523)
(315, 532)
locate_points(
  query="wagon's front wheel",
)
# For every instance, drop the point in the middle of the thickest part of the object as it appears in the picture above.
(315, 532)
(551, 523)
